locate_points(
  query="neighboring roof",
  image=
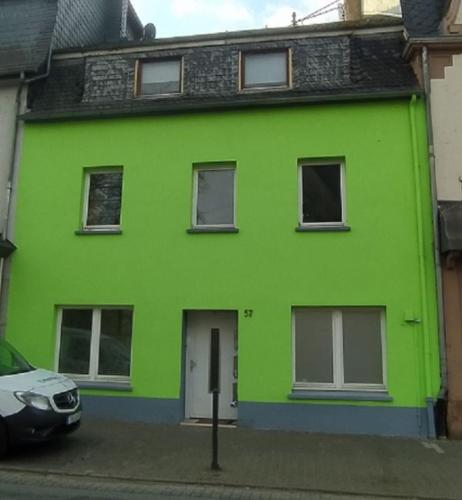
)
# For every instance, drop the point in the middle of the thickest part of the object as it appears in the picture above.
(347, 66)
(450, 226)
(423, 17)
(25, 34)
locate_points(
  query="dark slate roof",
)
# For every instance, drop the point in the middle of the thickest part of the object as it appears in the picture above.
(25, 34)
(29, 27)
(345, 66)
(423, 17)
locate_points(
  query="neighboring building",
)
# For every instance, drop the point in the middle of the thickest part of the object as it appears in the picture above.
(30, 31)
(271, 185)
(357, 9)
(435, 49)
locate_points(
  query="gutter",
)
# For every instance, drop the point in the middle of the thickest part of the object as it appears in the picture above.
(424, 325)
(436, 240)
(437, 42)
(211, 105)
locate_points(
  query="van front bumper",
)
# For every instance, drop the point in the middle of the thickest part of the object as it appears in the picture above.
(32, 425)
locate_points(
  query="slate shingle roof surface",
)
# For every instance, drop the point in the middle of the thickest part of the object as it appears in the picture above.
(26, 29)
(322, 67)
(423, 17)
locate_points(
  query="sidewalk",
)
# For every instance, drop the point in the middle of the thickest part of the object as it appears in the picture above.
(293, 461)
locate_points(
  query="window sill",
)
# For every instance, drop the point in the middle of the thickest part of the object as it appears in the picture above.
(111, 386)
(322, 229)
(341, 395)
(195, 230)
(265, 88)
(153, 97)
(93, 232)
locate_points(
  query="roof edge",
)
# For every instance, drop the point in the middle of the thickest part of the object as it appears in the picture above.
(216, 105)
(370, 25)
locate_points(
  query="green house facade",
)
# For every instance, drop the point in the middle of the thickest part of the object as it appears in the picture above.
(294, 226)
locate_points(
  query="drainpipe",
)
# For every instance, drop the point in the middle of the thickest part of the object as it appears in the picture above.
(436, 240)
(422, 273)
(12, 175)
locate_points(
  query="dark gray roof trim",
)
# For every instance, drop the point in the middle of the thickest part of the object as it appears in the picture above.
(450, 226)
(145, 108)
(324, 67)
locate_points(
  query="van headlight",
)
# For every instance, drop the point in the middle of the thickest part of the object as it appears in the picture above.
(35, 400)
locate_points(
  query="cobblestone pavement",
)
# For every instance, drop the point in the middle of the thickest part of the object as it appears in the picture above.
(22, 486)
(279, 461)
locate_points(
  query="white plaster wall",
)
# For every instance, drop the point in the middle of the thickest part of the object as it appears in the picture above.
(380, 6)
(7, 127)
(447, 121)
(459, 16)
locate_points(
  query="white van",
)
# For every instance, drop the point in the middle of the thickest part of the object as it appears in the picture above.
(35, 405)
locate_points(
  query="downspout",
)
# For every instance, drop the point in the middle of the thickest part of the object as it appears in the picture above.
(12, 172)
(436, 240)
(8, 222)
(423, 279)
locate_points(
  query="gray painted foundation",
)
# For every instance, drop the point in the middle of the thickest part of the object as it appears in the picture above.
(332, 419)
(336, 419)
(149, 410)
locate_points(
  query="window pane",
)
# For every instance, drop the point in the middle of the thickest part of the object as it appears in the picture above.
(74, 352)
(313, 346)
(160, 77)
(362, 347)
(265, 69)
(104, 199)
(215, 197)
(321, 193)
(115, 342)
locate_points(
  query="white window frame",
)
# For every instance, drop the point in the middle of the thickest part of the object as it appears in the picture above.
(287, 85)
(86, 195)
(92, 375)
(326, 162)
(337, 353)
(213, 167)
(139, 77)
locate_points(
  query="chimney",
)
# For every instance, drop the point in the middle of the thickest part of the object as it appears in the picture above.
(353, 10)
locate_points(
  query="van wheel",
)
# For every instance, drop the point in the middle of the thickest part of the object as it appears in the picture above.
(3, 439)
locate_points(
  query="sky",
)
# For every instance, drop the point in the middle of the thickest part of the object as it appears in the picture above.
(189, 17)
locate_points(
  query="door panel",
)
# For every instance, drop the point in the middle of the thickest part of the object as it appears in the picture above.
(198, 342)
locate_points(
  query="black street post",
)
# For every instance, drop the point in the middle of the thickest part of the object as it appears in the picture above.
(215, 390)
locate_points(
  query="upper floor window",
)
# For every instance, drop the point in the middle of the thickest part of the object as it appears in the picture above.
(322, 197)
(103, 198)
(339, 348)
(161, 77)
(95, 343)
(214, 197)
(265, 69)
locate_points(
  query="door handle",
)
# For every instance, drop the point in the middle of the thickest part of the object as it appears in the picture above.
(192, 365)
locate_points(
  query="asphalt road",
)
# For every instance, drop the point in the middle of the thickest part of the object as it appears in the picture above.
(25, 485)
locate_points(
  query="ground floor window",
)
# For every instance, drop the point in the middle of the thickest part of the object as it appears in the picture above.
(339, 348)
(95, 343)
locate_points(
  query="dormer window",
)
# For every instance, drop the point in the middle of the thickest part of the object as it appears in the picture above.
(160, 77)
(265, 69)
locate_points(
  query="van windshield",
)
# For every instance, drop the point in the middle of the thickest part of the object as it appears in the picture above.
(11, 362)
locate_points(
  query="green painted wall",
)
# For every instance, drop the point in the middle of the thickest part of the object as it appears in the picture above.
(161, 270)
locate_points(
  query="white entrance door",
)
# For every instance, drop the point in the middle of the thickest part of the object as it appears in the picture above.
(198, 353)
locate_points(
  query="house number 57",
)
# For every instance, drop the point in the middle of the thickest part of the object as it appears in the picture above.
(248, 313)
